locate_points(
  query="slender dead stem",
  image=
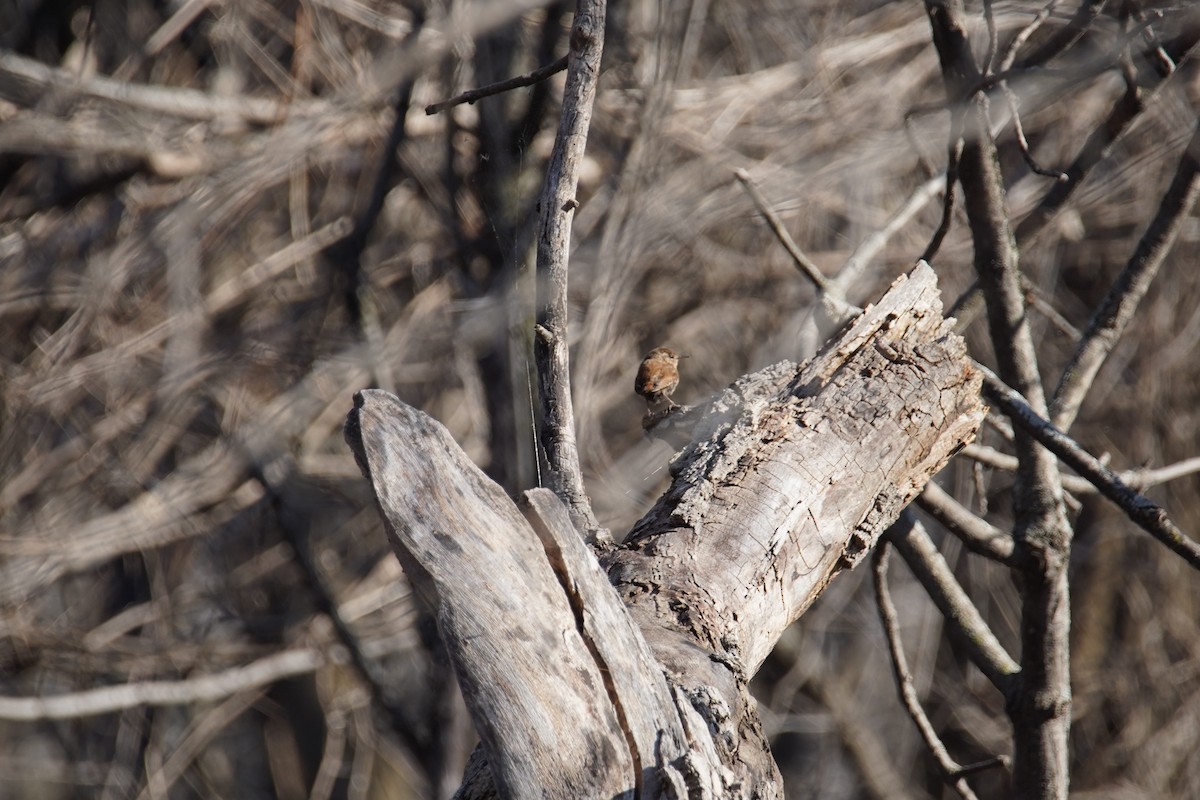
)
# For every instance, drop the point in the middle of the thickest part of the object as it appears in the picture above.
(557, 208)
(1147, 514)
(904, 680)
(828, 291)
(472, 95)
(201, 689)
(953, 154)
(966, 624)
(977, 534)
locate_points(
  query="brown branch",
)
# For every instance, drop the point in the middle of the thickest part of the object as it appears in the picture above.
(993, 45)
(557, 206)
(977, 534)
(904, 679)
(1147, 514)
(472, 95)
(1040, 710)
(1023, 142)
(954, 153)
(1113, 315)
(802, 261)
(966, 624)
(1018, 41)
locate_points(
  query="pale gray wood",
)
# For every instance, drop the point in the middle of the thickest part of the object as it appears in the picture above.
(786, 479)
(538, 697)
(765, 510)
(556, 214)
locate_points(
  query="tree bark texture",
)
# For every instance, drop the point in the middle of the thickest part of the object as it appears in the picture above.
(630, 679)
(1041, 709)
(557, 210)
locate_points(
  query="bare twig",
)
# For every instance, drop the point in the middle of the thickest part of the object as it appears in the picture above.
(472, 95)
(333, 757)
(989, 18)
(1062, 39)
(865, 743)
(1018, 41)
(966, 308)
(904, 680)
(1022, 142)
(557, 207)
(345, 255)
(1143, 478)
(827, 290)
(1137, 478)
(1118, 307)
(175, 101)
(1147, 514)
(802, 261)
(953, 154)
(873, 244)
(977, 534)
(202, 689)
(1037, 299)
(965, 622)
(198, 736)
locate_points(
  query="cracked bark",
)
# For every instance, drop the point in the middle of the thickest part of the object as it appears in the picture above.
(626, 674)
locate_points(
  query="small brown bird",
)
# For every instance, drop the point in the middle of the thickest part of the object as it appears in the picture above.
(658, 376)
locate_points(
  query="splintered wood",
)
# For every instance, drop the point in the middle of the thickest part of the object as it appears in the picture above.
(629, 672)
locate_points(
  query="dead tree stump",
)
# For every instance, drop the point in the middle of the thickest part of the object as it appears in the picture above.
(624, 673)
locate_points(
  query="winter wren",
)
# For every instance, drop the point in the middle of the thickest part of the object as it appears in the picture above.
(658, 376)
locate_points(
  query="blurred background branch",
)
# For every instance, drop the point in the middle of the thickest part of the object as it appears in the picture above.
(219, 220)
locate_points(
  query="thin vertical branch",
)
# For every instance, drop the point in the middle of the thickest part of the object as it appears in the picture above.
(904, 680)
(1041, 710)
(556, 211)
(954, 153)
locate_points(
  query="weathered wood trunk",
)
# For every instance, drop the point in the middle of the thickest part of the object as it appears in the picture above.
(624, 673)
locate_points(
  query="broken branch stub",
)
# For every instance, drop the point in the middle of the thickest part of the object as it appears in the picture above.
(566, 696)
(790, 476)
(797, 479)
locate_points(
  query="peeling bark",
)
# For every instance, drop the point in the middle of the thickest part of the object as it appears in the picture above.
(626, 674)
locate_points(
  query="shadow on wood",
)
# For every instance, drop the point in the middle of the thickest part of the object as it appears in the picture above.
(625, 673)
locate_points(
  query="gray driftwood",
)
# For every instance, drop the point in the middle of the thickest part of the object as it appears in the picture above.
(625, 673)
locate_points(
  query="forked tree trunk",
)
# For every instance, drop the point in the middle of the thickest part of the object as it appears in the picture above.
(624, 672)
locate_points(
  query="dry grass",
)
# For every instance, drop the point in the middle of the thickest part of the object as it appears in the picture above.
(181, 345)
